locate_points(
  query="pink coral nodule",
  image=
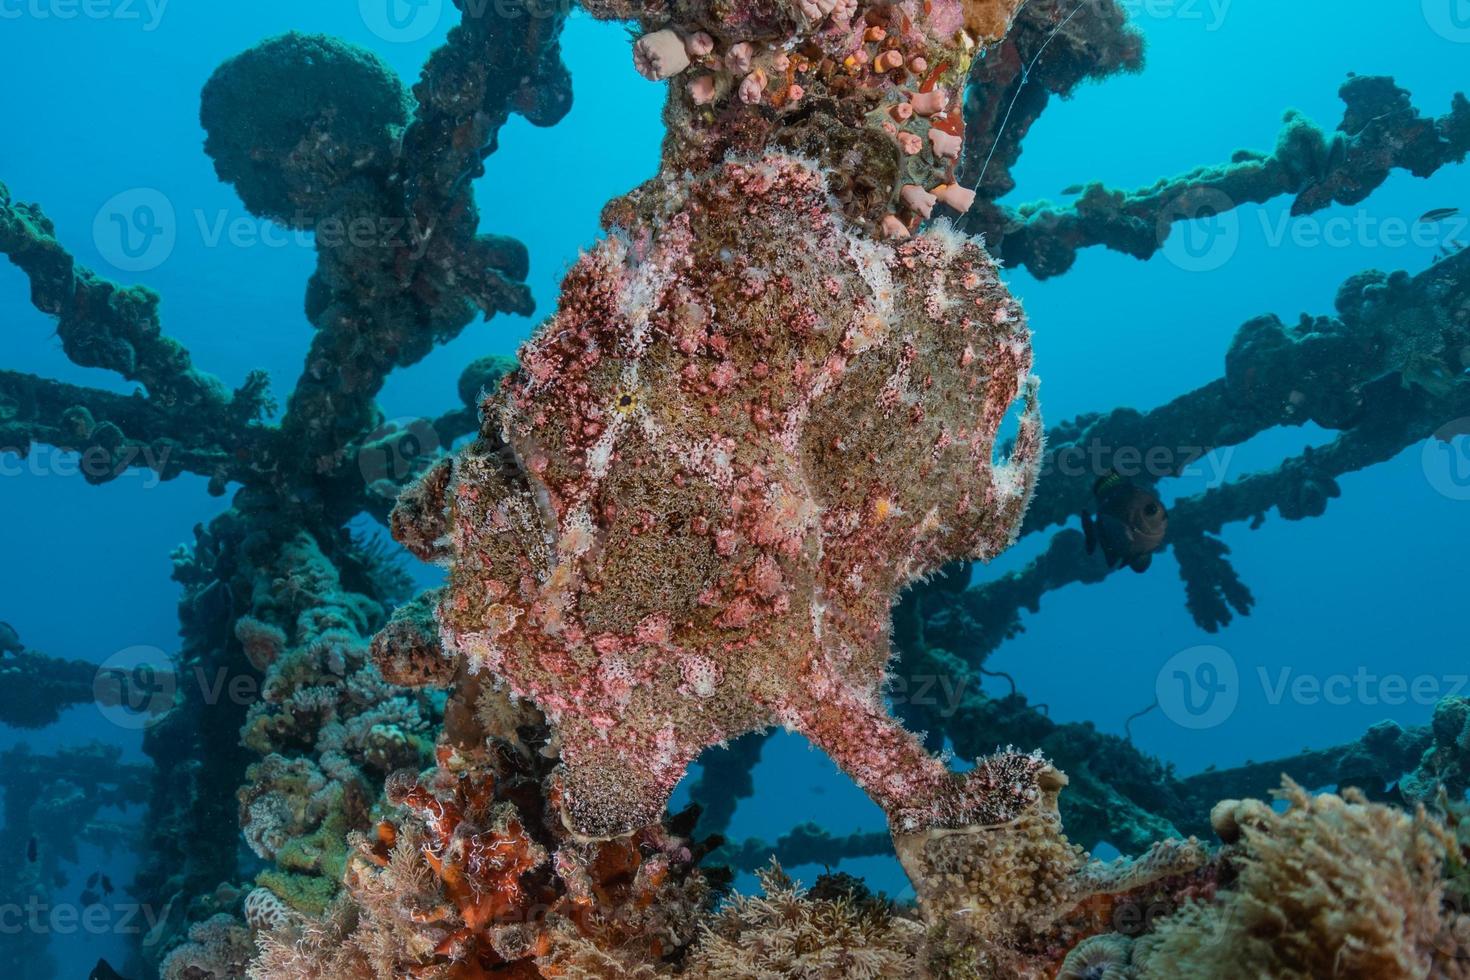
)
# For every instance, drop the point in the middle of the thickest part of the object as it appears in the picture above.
(660, 55)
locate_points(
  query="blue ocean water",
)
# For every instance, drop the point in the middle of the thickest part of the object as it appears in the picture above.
(101, 103)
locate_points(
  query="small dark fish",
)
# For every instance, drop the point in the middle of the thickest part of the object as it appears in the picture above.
(106, 885)
(1438, 214)
(92, 881)
(90, 898)
(104, 971)
(1130, 525)
(33, 850)
(1074, 189)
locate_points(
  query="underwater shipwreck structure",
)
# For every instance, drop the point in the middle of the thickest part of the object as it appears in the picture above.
(672, 526)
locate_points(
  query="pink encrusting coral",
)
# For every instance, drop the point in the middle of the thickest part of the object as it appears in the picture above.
(744, 431)
(871, 91)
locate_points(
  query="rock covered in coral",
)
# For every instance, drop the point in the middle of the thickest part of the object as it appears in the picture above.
(407, 651)
(745, 430)
(470, 875)
(789, 932)
(328, 726)
(872, 91)
(1446, 762)
(297, 116)
(219, 948)
(1331, 886)
(1011, 899)
(1103, 957)
(1334, 886)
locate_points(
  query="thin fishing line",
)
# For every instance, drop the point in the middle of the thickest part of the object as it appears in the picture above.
(1025, 76)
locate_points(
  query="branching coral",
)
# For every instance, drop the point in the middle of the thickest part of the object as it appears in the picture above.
(1010, 900)
(1380, 131)
(789, 933)
(474, 876)
(1333, 886)
(1385, 370)
(219, 948)
(1445, 764)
